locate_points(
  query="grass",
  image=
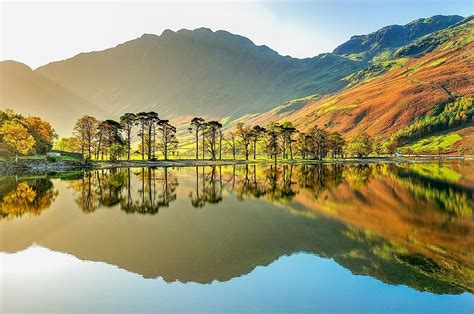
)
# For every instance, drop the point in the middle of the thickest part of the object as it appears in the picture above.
(433, 143)
(437, 62)
(329, 103)
(339, 108)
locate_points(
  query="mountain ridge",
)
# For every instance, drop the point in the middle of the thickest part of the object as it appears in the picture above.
(183, 72)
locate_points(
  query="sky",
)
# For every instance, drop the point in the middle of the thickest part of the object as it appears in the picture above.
(37, 32)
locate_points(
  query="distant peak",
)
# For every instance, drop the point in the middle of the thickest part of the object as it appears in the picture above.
(149, 36)
(168, 32)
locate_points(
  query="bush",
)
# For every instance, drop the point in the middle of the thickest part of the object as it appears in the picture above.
(51, 159)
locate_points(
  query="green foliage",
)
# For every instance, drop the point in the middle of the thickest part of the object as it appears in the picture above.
(433, 143)
(445, 116)
(456, 36)
(438, 62)
(359, 146)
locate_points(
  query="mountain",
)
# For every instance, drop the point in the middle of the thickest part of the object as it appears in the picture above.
(425, 90)
(199, 72)
(394, 36)
(30, 93)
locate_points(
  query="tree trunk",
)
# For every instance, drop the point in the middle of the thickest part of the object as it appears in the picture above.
(143, 142)
(255, 150)
(220, 147)
(149, 142)
(203, 146)
(128, 141)
(197, 144)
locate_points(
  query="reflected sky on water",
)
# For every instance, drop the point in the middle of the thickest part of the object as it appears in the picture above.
(241, 238)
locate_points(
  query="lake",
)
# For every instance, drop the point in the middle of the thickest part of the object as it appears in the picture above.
(339, 238)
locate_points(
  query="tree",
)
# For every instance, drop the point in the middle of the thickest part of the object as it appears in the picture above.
(377, 148)
(168, 135)
(318, 142)
(287, 130)
(102, 130)
(196, 125)
(42, 132)
(127, 122)
(16, 136)
(232, 138)
(114, 138)
(85, 130)
(245, 135)
(212, 131)
(256, 132)
(359, 145)
(141, 121)
(151, 119)
(272, 145)
(335, 144)
(302, 144)
(61, 144)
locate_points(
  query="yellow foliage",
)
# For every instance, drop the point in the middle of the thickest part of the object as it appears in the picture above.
(17, 137)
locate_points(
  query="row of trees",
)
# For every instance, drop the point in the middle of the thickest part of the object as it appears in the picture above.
(275, 140)
(24, 135)
(97, 139)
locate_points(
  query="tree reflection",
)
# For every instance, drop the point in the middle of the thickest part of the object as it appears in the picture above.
(111, 187)
(30, 196)
(208, 187)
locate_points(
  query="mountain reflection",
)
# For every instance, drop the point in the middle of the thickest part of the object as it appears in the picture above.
(406, 224)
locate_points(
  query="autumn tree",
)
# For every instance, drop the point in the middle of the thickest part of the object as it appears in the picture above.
(127, 122)
(17, 137)
(43, 133)
(85, 130)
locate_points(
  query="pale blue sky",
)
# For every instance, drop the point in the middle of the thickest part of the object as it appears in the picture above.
(40, 32)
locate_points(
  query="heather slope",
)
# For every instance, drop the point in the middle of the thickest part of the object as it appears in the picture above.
(413, 89)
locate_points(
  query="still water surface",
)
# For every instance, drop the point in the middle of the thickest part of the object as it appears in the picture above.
(264, 238)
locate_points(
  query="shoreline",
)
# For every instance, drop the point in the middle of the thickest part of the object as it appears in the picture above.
(43, 166)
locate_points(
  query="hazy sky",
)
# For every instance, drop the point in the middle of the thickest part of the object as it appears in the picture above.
(39, 32)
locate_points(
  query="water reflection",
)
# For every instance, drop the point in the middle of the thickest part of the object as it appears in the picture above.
(408, 224)
(20, 197)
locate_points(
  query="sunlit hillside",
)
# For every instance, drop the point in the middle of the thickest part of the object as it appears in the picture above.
(418, 91)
